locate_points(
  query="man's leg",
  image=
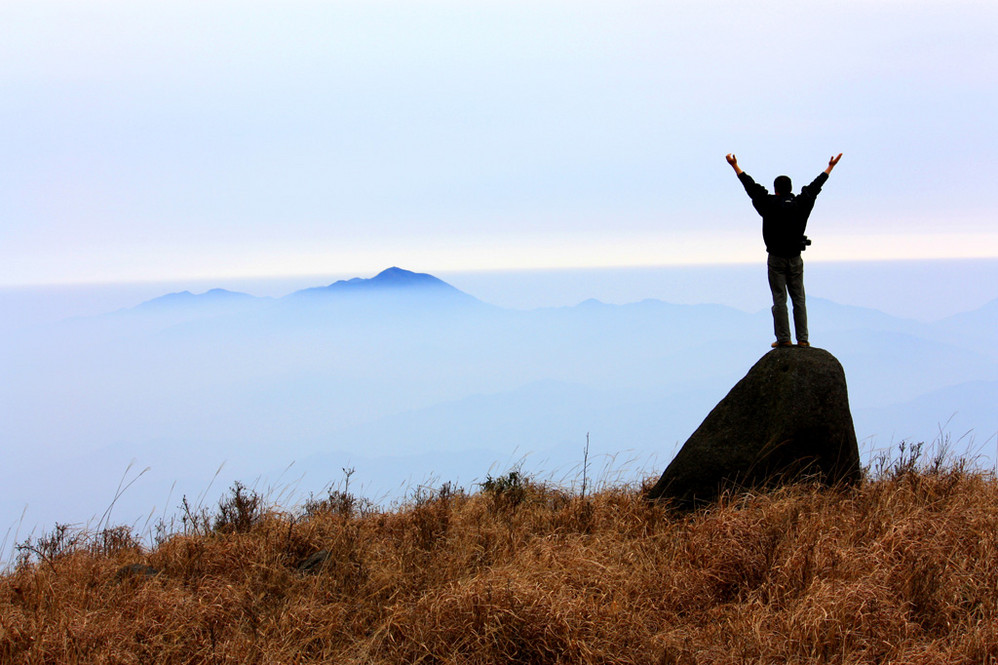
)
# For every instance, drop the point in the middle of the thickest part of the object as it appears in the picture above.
(778, 285)
(795, 285)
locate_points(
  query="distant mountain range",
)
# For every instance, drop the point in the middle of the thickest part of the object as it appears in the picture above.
(211, 298)
(404, 372)
(393, 286)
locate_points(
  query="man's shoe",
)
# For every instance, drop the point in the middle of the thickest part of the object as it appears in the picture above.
(779, 345)
(803, 344)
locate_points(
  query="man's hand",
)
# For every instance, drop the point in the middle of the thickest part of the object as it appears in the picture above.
(734, 162)
(832, 162)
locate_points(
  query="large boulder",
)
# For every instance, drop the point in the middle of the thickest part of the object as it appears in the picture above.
(787, 420)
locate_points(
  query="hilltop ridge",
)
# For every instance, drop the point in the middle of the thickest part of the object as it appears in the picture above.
(899, 569)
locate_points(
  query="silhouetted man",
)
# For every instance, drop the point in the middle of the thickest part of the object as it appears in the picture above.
(784, 218)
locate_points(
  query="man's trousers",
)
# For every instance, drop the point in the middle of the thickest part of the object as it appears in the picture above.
(787, 276)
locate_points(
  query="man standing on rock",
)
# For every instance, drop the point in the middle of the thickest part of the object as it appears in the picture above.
(784, 218)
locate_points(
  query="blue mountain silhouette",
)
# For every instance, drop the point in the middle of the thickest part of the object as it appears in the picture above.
(187, 299)
(398, 284)
(393, 281)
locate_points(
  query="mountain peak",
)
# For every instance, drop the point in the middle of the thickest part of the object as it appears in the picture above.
(391, 280)
(400, 277)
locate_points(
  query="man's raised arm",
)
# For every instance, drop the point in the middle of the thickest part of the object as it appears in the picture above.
(734, 163)
(752, 188)
(831, 163)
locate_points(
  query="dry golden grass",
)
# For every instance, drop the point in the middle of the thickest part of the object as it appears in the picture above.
(901, 569)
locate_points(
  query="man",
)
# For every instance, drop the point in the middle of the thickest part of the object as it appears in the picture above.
(784, 218)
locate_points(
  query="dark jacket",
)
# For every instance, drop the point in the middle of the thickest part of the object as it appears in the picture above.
(784, 218)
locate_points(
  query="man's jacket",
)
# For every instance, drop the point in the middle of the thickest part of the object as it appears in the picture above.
(784, 217)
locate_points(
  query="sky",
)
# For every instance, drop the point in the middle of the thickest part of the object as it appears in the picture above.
(173, 140)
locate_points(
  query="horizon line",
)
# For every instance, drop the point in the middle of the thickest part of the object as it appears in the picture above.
(459, 271)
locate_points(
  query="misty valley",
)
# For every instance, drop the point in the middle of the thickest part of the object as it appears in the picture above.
(406, 380)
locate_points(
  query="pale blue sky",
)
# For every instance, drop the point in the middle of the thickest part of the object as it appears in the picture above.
(183, 139)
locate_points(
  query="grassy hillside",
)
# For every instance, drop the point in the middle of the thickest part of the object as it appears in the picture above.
(902, 569)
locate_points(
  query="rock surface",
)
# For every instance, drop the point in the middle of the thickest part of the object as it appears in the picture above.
(787, 420)
(315, 563)
(137, 571)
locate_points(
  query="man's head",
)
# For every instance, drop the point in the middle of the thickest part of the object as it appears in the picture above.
(783, 186)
